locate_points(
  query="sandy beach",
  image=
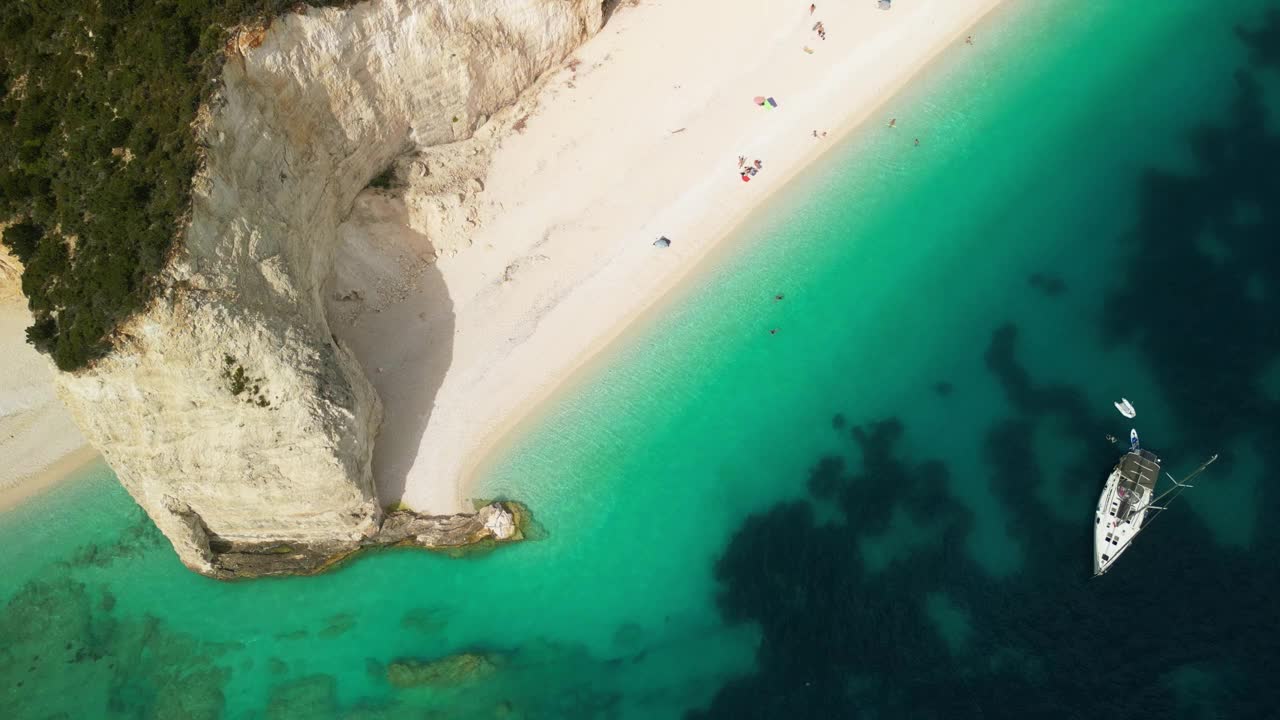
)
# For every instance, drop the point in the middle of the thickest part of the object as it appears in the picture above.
(637, 137)
(39, 443)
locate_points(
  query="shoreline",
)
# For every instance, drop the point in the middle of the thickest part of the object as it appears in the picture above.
(578, 234)
(40, 445)
(31, 486)
(491, 446)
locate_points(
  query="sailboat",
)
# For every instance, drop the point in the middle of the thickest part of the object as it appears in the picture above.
(1129, 503)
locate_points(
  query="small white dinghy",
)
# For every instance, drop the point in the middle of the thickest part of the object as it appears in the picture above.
(1126, 408)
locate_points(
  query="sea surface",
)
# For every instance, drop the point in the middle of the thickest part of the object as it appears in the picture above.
(881, 510)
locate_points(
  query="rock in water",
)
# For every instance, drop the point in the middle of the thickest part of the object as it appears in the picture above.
(245, 559)
(498, 521)
(228, 409)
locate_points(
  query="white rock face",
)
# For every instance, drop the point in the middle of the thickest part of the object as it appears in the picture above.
(309, 112)
(498, 521)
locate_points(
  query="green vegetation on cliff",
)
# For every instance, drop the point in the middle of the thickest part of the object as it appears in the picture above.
(97, 152)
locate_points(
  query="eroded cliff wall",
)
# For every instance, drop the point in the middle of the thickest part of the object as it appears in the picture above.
(229, 409)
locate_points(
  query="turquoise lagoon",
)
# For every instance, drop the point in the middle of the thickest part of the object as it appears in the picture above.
(880, 511)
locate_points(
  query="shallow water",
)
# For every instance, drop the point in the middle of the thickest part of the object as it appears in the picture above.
(882, 510)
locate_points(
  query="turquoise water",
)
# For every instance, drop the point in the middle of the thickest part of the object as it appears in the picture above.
(882, 510)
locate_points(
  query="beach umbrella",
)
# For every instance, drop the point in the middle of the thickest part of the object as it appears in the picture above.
(663, 241)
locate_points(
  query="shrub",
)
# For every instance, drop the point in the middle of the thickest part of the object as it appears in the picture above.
(79, 79)
(21, 239)
(385, 179)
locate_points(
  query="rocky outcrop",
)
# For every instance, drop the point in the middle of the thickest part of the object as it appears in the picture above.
(238, 559)
(229, 409)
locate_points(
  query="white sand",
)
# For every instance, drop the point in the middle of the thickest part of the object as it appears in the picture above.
(462, 349)
(578, 197)
(39, 443)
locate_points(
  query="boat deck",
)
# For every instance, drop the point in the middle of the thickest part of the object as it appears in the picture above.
(1141, 468)
(1139, 471)
(1123, 506)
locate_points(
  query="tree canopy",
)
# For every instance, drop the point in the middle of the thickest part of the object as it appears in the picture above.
(97, 151)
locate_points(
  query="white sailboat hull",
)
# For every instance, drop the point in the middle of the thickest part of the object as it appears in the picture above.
(1122, 507)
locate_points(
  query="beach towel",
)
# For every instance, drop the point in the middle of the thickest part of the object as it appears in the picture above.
(772, 103)
(759, 99)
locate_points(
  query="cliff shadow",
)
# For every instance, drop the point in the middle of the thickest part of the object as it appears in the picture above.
(387, 302)
(609, 7)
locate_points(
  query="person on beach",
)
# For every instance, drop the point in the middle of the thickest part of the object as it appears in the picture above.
(777, 297)
(773, 331)
(741, 159)
(812, 8)
(968, 40)
(893, 122)
(759, 164)
(917, 142)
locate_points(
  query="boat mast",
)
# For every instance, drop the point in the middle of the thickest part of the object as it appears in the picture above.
(1175, 491)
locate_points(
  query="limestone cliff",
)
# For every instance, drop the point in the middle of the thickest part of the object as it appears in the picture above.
(229, 409)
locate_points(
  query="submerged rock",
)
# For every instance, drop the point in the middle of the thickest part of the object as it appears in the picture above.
(315, 696)
(446, 672)
(62, 652)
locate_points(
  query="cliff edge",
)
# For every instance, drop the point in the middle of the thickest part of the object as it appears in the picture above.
(228, 408)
